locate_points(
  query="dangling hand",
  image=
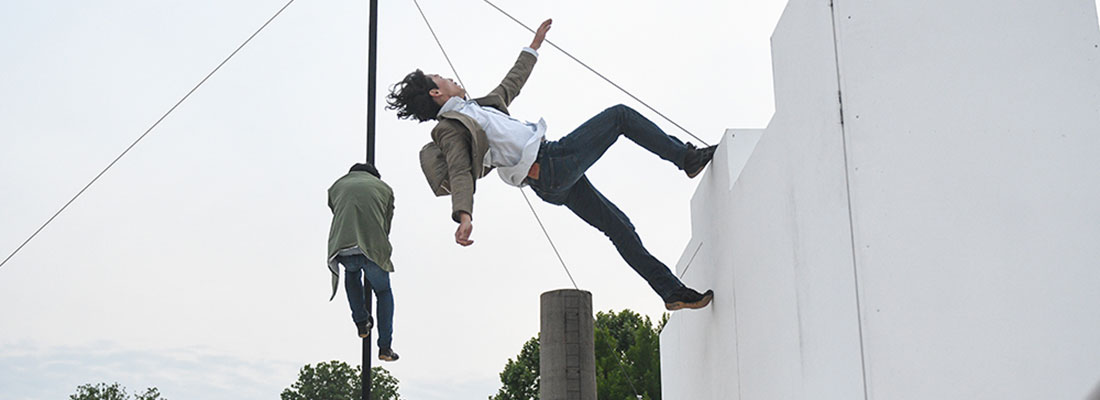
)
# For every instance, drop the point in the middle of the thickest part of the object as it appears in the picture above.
(540, 34)
(465, 228)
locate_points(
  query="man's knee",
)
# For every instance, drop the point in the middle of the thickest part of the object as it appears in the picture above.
(624, 232)
(382, 290)
(379, 280)
(620, 109)
(618, 228)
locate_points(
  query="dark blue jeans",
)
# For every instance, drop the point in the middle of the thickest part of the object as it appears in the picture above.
(357, 296)
(562, 165)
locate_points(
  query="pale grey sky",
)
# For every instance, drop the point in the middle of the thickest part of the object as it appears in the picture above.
(197, 264)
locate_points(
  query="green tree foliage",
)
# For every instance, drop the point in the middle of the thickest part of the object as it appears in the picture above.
(150, 394)
(114, 391)
(521, 377)
(383, 386)
(627, 356)
(627, 359)
(336, 380)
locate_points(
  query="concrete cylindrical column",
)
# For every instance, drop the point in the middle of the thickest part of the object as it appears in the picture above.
(567, 355)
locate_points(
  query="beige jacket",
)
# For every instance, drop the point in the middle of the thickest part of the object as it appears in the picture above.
(453, 161)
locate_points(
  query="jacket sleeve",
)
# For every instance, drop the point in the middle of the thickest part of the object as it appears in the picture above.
(455, 145)
(509, 88)
(389, 214)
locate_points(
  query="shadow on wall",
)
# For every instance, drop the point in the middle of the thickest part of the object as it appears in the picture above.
(1095, 393)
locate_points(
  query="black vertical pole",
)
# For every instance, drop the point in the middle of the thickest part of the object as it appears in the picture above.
(372, 62)
(366, 373)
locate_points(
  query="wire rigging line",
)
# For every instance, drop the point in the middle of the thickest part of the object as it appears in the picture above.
(440, 44)
(529, 205)
(598, 74)
(544, 232)
(626, 375)
(622, 369)
(147, 131)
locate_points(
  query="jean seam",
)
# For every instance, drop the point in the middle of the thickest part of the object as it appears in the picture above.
(546, 180)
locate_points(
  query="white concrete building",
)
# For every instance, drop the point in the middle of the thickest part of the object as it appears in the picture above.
(920, 219)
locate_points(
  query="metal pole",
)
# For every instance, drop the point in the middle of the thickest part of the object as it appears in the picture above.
(372, 62)
(366, 374)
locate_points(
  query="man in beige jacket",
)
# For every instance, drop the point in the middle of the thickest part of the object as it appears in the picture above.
(472, 137)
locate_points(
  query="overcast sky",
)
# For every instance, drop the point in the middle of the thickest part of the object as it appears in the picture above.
(197, 264)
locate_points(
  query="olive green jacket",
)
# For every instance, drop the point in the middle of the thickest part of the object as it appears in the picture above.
(454, 160)
(362, 209)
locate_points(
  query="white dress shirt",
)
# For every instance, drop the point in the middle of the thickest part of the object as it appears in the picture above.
(513, 144)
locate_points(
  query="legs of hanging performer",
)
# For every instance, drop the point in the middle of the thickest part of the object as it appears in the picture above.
(354, 267)
(588, 203)
(588, 142)
(577, 151)
(595, 209)
(561, 181)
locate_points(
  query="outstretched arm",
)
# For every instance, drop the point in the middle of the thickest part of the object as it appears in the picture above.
(509, 88)
(508, 91)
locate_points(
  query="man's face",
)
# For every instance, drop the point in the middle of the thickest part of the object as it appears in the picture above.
(446, 88)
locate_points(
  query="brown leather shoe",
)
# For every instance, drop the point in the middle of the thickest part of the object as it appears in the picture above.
(686, 297)
(387, 354)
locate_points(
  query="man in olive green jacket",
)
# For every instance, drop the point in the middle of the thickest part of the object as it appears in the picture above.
(362, 209)
(472, 137)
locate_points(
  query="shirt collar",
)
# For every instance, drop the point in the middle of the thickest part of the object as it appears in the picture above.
(453, 104)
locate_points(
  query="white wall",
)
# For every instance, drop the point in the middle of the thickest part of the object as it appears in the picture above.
(784, 220)
(939, 244)
(973, 148)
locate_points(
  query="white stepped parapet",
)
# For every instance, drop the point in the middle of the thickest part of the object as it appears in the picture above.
(920, 219)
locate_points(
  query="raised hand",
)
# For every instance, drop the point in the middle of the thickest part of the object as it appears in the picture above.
(540, 34)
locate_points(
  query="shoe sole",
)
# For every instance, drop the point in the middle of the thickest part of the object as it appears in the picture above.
(367, 335)
(679, 305)
(386, 358)
(692, 175)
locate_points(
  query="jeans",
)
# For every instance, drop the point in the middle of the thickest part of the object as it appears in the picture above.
(561, 181)
(379, 280)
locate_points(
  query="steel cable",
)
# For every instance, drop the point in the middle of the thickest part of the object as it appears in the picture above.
(147, 131)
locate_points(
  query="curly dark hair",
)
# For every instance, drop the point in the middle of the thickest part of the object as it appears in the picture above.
(410, 97)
